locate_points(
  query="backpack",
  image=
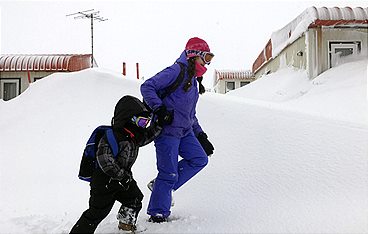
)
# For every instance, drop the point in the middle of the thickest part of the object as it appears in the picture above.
(89, 162)
(171, 88)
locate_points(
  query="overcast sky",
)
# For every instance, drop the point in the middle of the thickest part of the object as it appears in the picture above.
(151, 32)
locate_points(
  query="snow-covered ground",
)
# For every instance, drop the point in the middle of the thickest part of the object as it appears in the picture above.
(291, 155)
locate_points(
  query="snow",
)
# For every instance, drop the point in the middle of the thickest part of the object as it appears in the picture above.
(292, 31)
(290, 155)
(336, 93)
(284, 85)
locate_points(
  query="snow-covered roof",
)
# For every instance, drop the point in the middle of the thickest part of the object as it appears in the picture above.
(64, 62)
(309, 18)
(313, 17)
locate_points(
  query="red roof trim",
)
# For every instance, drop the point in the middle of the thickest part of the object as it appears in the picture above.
(319, 22)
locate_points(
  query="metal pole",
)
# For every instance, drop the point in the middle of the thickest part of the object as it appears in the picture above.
(124, 69)
(92, 39)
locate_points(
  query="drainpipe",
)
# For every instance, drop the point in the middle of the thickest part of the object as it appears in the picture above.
(29, 76)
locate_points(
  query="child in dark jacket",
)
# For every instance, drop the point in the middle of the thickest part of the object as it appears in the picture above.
(113, 180)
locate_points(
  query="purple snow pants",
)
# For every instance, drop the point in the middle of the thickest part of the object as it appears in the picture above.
(171, 173)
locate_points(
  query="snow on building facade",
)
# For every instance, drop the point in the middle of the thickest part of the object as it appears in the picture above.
(18, 71)
(315, 41)
(226, 81)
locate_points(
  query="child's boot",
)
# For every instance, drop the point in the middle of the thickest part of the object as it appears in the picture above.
(126, 227)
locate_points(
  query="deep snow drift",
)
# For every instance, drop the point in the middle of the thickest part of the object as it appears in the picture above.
(291, 155)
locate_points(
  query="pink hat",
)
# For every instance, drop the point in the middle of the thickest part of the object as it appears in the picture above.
(196, 44)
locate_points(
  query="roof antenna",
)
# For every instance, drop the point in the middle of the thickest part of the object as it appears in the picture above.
(93, 15)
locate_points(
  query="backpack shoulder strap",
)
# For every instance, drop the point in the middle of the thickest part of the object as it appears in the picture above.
(112, 141)
(171, 88)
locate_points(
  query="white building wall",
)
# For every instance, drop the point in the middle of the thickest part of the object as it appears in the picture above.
(223, 86)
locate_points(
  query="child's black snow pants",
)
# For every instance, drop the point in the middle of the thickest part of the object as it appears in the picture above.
(102, 199)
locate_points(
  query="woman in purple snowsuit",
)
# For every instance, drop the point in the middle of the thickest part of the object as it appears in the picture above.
(181, 135)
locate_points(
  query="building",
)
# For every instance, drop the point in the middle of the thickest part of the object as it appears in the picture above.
(18, 71)
(315, 41)
(226, 81)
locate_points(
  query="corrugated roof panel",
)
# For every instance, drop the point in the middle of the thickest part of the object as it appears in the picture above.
(48, 62)
(234, 75)
(13, 62)
(2, 63)
(25, 63)
(322, 13)
(360, 13)
(54, 62)
(60, 63)
(336, 13)
(66, 63)
(347, 13)
(36, 63)
(44, 62)
(31, 63)
(18, 66)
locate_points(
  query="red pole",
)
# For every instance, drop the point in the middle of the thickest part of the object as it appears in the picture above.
(124, 68)
(137, 65)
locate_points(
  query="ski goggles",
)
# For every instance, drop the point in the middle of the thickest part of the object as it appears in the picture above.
(205, 56)
(141, 121)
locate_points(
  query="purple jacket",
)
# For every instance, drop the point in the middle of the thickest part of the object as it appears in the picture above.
(182, 103)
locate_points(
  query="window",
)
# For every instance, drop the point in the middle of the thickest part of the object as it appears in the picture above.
(340, 49)
(344, 51)
(9, 88)
(230, 85)
(244, 83)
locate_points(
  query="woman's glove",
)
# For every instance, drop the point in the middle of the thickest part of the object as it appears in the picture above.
(206, 144)
(201, 88)
(164, 117)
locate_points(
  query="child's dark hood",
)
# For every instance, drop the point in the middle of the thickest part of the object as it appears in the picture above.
(125, 109)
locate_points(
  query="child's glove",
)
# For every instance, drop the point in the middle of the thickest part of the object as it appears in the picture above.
(122, 184)
(125, 181)
(164, 117)
(206, 144)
